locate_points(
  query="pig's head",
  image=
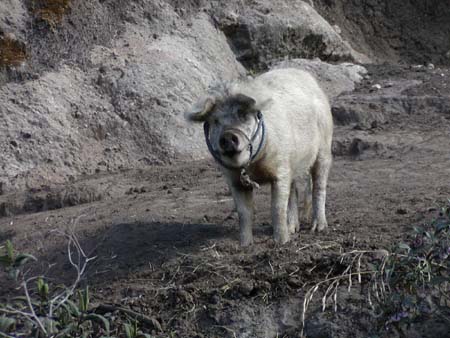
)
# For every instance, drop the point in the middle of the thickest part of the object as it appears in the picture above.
(232, 125)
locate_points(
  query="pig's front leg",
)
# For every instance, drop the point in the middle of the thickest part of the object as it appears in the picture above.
(280, 198)
(243, 199)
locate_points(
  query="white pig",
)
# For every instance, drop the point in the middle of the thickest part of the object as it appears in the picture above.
(274, 129)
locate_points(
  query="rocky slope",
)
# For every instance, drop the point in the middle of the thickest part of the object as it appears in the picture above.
(405, 31)
(93, 87)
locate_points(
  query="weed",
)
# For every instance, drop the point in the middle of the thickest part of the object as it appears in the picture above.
(46, 310)
(410, 283)
(418, 276)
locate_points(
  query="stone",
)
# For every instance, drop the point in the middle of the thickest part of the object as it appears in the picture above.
(335, 79)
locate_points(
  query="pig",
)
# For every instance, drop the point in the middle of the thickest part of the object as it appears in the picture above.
(273, 129)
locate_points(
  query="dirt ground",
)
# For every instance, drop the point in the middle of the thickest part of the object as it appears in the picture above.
(166, 238)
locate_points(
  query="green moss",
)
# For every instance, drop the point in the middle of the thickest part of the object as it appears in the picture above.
(12, 52)
(51, 11)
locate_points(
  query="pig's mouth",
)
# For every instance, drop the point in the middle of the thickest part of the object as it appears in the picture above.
(232, 142)
(230, 153)
(234, 145)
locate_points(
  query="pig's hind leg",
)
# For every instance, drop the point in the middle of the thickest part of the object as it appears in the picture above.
(292, 212)
(319, 173)
(307, 201)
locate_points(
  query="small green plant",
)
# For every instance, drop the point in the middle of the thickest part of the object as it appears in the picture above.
(45, 310)
(132, 330)
(11, 262)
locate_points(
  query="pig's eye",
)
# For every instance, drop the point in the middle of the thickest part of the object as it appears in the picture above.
(242, 115)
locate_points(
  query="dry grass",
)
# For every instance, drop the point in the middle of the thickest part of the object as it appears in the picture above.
(12, 52)
(352, 274)
(51, 11)
(405, 286)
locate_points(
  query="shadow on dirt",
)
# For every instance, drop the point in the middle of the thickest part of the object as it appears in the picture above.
(6, 235)
(128, 248)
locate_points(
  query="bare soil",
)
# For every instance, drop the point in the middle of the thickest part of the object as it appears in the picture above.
(166, 237)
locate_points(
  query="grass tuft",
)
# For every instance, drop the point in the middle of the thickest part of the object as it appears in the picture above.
(409, 284)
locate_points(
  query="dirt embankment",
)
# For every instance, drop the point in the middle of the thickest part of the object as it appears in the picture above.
(405, 31)
(101, 86)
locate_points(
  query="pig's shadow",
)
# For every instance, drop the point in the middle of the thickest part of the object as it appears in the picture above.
(130, 247)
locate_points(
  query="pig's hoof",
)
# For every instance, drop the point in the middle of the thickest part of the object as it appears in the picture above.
(246, 242)
(319, 226)
(281, 239)
(293, 228)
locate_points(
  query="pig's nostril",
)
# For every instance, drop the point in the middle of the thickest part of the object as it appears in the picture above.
(223, 142)
(229, 143)
(235, 140)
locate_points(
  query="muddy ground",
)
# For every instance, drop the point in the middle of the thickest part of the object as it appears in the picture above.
(166, 237)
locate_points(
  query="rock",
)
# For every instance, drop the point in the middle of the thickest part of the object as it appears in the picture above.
(245, 287)
(214, 299)
(337, 29)
(430, 66)
(339, 148)
(10, 36)
(418, 68)
(376, 87)
(292, 28)
(13, 18)
(401, 211)
(294, 282)
(357, 147)
(381, 104)
(334, 79)
(26, 135)
(347, 110)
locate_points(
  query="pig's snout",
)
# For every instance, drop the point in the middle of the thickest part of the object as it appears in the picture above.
(230, 143)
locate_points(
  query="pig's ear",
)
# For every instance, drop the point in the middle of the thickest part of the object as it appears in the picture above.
(199, 112)
(245, 101)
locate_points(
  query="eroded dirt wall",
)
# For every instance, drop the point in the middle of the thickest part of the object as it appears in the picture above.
(411, 31)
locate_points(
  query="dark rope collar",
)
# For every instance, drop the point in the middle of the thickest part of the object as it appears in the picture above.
(261, 127)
